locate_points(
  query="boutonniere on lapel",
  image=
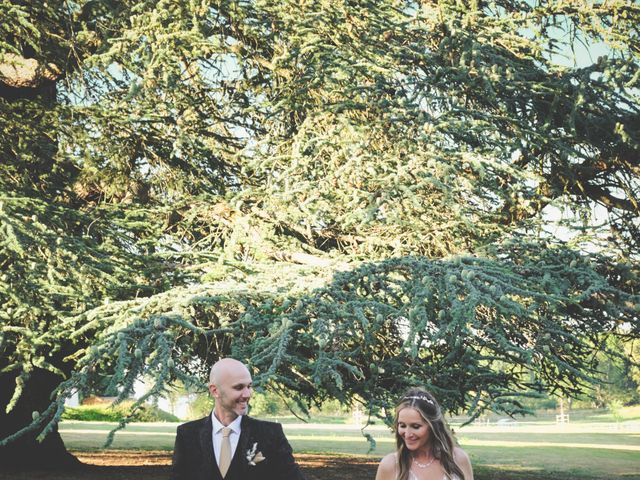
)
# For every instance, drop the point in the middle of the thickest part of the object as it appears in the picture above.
(254, 456)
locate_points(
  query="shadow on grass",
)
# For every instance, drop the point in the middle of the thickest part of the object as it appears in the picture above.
(483, 472)
(121, 465)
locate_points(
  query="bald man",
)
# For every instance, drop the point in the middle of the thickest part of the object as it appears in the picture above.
(228, 444)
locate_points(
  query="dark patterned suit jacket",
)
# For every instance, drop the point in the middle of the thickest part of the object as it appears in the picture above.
(193, 457)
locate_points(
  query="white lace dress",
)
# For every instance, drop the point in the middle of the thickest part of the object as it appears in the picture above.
(412, 476)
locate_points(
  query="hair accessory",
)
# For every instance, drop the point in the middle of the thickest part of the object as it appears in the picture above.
(424, 398)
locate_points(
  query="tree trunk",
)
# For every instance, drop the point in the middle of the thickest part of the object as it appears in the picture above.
(22, 84)
(26, 452)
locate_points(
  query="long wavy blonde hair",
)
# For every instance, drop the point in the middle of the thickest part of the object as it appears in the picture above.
(441, 441)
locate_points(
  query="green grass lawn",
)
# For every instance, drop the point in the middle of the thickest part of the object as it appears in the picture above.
(579, 450)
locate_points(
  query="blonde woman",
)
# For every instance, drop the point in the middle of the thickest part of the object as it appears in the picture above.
(425, 446)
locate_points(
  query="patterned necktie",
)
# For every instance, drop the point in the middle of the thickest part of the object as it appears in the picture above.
(225, 451)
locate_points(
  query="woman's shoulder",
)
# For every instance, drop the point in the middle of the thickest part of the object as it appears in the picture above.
(389, 460)
(387, 466)
(460, 454)
(463, 461)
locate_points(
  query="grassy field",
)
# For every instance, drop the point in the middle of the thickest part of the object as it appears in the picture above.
(589, 449)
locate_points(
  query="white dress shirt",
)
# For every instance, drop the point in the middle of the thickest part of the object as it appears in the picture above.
(217, 435)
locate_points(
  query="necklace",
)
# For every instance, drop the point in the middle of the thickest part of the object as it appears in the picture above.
(423, 465)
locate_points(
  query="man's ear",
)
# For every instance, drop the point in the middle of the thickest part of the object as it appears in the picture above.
(213, 390)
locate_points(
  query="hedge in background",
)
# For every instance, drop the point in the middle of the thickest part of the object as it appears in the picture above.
(108, 413)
